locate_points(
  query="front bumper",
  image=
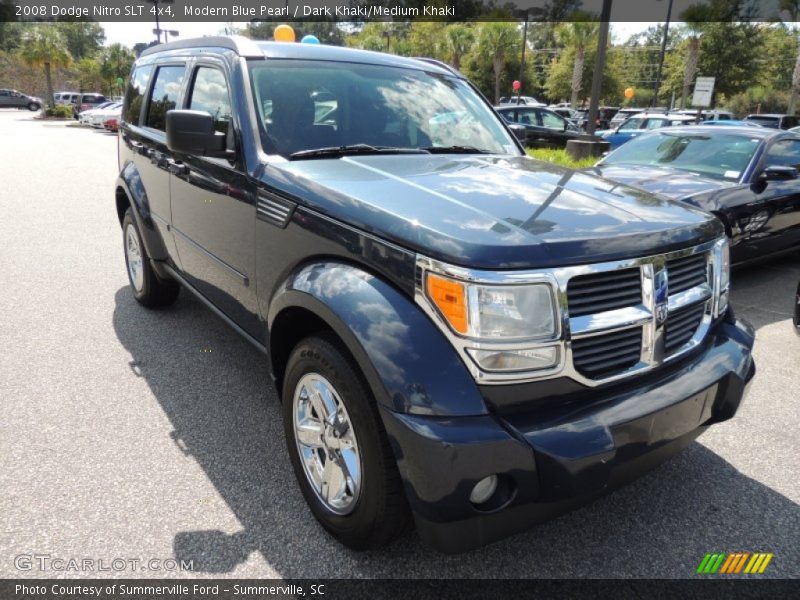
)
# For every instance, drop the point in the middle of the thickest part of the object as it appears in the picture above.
(557, 458)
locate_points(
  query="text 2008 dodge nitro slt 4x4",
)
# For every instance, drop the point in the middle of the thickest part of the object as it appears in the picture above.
(458, 333)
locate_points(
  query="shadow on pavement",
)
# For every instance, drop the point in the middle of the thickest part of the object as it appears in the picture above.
(215, 390)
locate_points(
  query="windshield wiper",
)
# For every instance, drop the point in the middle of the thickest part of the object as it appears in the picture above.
(456, 150)
(353, 149)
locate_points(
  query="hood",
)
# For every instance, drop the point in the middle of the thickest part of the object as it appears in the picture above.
(660, 180)
(492, 212)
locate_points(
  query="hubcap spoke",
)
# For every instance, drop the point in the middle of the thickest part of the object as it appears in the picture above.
(326, 443)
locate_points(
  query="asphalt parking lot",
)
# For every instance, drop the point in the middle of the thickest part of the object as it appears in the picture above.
(136, 434)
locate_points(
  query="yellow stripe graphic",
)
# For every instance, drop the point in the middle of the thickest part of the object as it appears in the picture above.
(749, 568)
(758, 562)
(766, 562)
(741, 562)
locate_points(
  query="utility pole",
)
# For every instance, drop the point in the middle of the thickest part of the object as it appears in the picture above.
(654, 100)
(599, 67)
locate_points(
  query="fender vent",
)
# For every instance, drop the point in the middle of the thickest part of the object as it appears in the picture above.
(274, 209)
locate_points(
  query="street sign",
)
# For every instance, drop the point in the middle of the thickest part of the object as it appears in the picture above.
(703, 89)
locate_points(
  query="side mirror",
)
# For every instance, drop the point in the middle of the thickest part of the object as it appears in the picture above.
(518, 130)
(192, 132)
(778, 173)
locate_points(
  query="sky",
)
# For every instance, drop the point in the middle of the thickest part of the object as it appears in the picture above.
(132, 33)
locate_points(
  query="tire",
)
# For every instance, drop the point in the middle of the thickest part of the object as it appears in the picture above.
(377, 511)
(34, 106)
(148, 289)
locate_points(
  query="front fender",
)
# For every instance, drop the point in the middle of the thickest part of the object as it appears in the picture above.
(406, 360)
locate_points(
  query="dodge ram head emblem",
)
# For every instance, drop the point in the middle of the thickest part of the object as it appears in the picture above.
(661, 296)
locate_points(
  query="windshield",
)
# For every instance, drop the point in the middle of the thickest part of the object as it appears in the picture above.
(722, 157)
(773, 122)
(308, 105)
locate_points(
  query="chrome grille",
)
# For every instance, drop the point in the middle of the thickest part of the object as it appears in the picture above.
(687, 272)
(606, 354)
(599, 292)
(681, 327)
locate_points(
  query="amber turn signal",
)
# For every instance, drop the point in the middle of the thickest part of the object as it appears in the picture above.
(450, 298)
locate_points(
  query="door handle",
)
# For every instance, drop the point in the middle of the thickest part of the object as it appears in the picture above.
(176, 167)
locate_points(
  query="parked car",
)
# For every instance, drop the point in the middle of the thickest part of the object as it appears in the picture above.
(526, 100)
(621, 115)
(707, 116)
(15, 99)
(639, 124)
(573, 116)
(99, 118)
(746, 176)
(66, 97)
(88, 102)
(543, 127)
(85, 117)
(456, 331)
(775, 121)
(605, 114)
(732, 123)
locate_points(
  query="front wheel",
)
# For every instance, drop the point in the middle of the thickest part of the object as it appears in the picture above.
(34, 106)
(339, 449)
(147, 287)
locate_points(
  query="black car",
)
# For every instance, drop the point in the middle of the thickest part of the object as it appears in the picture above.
(463, 338)
(543, 127)
(746, 176)
(15, 99)
(774, 121)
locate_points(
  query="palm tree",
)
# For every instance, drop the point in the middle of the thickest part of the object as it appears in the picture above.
(498, 39)
(577, 36)
(458, 41)
(116, 61)
(44, 46)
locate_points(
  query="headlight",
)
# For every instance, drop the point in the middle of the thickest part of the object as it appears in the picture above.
(722, 274)
(497, 314)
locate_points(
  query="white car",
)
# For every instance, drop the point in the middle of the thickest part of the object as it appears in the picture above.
(66, 97)
(100, 117)
(85, 117)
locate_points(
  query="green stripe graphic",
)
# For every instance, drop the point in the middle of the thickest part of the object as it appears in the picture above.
(717, 564)
(702, 566)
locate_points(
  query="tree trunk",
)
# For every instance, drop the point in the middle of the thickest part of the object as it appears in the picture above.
(456, 61)
(497, 65)
(577, 75)
(47, 76)
(691, 67)
(795, 86)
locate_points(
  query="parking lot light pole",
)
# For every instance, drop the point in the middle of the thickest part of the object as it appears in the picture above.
(155, 4)
(599, 67)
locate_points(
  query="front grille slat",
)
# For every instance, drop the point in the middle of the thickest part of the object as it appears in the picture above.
(681, 327)
(607, 354)
(687, 272)
(600, 292)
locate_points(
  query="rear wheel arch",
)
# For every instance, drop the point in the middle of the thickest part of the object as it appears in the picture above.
(123, 202)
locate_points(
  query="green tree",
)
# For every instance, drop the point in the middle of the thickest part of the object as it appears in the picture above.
(458, 41)
(577, 38)
(82, 38)
(499, 40)
(44, 46)
(793, 8)
(116, 61)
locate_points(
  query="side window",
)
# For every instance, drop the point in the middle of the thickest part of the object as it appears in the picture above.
(509, 115)
(527, 117)
(784, 153)
(630, 125)
(164, 96)
(134, 96)
(210, 94)
(656, 123)
(551, 121)
(4, 93)
(723, 117)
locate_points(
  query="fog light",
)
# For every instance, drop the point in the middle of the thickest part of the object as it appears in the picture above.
(515, 360)
(483, 490)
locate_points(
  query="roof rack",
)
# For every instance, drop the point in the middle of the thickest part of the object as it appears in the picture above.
(241, 45)
(438, 63)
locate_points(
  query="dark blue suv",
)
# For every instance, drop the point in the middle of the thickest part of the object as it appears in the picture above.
(462, 338)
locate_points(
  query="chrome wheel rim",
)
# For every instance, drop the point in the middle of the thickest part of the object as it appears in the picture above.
(326, 444)
(133, 254)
